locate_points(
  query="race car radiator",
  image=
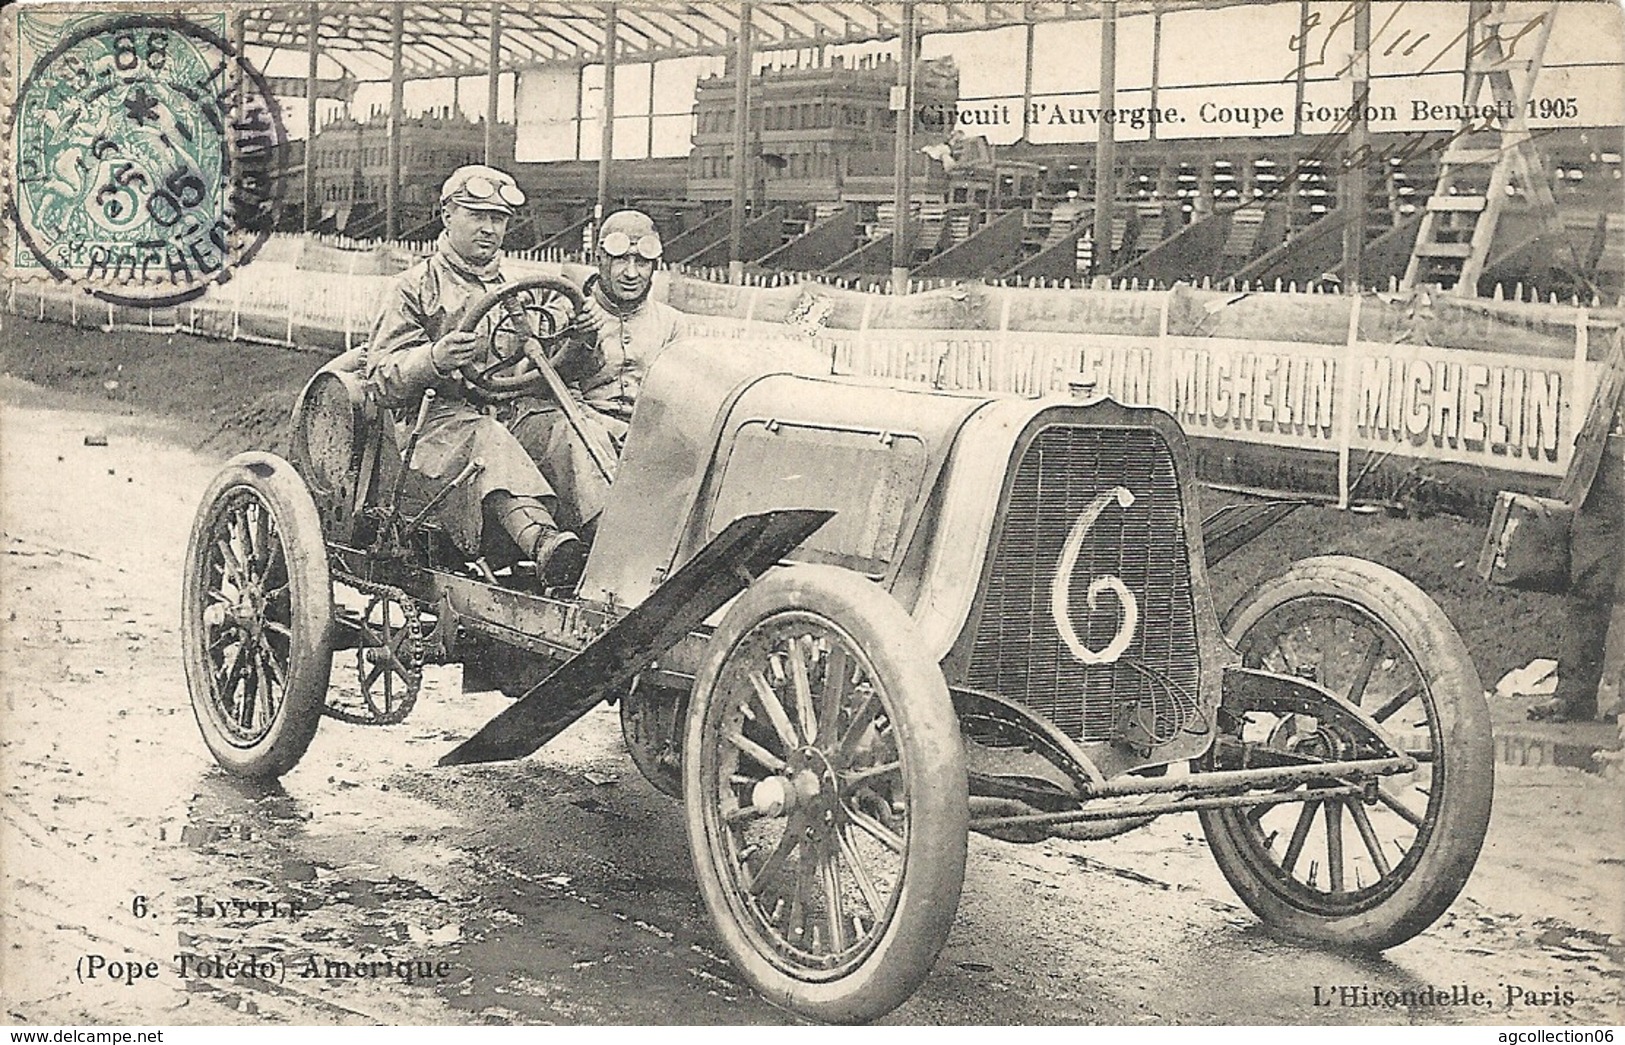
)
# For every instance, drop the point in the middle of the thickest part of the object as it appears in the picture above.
(1087, 617)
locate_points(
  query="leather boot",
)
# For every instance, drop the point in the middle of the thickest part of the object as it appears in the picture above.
(558, 554)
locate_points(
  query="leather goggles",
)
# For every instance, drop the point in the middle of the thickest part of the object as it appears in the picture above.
(482, 188)
(619, 244)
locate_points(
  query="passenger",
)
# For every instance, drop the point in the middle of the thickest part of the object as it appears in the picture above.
(415, 346)
(622, 331)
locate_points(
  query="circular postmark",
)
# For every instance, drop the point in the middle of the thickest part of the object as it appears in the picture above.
(147, 160)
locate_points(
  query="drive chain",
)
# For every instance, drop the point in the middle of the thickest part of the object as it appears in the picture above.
(407, 652)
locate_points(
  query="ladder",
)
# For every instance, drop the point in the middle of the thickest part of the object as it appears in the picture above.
(1458, 230)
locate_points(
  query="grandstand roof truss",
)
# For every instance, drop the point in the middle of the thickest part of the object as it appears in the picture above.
(454, 39)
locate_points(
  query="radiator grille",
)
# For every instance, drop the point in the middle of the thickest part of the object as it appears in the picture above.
(1019, 652)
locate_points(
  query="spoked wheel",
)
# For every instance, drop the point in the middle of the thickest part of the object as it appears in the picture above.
(255, 617)
(825, 792)
(1346, 870)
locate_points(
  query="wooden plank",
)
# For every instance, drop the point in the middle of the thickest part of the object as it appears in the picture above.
(1504, 17)
(746, 549)
(1500, 65)
(1456, 203)
(1588, 445)
(1472, 157)
(1444, 250)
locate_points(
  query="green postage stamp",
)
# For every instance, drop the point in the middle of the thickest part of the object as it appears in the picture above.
(142, 153)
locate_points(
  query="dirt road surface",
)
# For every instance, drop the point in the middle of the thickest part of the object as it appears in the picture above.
(558, 888)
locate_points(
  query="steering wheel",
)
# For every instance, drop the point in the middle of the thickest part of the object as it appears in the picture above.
(525, 316)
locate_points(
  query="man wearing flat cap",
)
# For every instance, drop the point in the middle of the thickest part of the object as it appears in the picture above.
(415, 346)
(621, 332)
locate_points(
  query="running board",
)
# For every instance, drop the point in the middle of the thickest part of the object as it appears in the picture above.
(748, 548)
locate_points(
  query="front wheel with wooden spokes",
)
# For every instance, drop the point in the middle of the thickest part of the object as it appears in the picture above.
(825, 792)
(256, 611)
(1367, 870)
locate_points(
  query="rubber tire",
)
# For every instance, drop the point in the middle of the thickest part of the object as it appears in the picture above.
(1465, 745)
(310, 589)
(929, 740)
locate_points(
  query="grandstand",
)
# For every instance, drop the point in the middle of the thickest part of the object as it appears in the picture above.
(995, 192)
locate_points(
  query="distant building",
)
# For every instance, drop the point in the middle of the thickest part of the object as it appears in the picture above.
(351, 164)
(822, 133)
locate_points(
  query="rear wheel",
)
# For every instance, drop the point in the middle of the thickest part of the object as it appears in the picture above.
(1346, 870)
(825, 792)
(256, 615)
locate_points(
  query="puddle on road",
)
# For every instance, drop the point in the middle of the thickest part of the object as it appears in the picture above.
(227, 809)
(553, 952)
(202, 837)
(554, 908)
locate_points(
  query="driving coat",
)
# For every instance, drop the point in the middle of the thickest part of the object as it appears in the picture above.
(608, 374)
(425, 303)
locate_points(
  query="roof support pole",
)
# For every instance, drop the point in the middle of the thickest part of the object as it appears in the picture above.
(1026, 89)
(606, 141)
(1353, 193)
(1301, 75)
(1106, 147)
(392, 145)
(902, 106)
(741, 162)
(649, 152)
(1156, 70)
(493, 57)
(308, 207)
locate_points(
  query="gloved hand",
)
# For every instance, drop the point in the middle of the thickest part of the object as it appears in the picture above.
(592, 319)
(455, 351)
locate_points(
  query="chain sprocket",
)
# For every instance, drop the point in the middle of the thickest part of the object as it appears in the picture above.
(389, 657)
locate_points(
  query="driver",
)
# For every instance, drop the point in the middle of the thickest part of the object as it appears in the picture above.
(415, 345)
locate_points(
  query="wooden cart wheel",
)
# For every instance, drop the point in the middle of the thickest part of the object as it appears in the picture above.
(256, 613)
(825, 793)
(1348, 871)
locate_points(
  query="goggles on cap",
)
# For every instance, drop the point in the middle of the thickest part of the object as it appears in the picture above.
(483, 188)
(619, 244)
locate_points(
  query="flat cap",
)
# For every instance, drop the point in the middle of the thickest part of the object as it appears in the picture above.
(479, 187)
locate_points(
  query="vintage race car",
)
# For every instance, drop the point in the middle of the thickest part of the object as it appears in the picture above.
(846, 623)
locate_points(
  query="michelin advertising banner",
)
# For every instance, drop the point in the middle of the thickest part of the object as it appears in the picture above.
(1494, 386)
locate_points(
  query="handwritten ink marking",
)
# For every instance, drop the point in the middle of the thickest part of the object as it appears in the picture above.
(1299, 42)
(1314, 20)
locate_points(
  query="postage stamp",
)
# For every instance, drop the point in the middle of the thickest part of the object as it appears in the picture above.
(142, 148)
